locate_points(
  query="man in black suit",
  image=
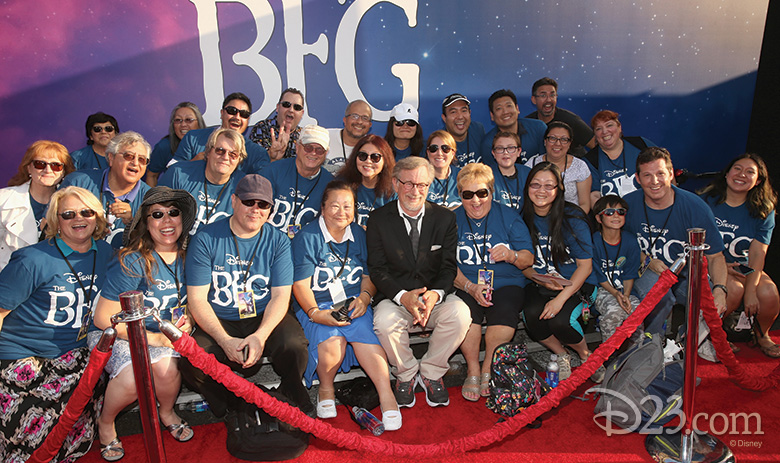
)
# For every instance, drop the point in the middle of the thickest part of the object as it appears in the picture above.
(411, 259)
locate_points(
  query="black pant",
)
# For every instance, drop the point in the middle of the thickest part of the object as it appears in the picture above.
(561, 325)
(287, 346)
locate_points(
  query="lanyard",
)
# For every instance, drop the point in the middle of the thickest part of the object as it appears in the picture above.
(343, 262)
(206, 192)
(296, 207)
(509, 190)
(482, 253)
(254, 253)
(611, 268)
(663, 227)
(565, 165)
(446, 187)
(76, 275)
(175, 273)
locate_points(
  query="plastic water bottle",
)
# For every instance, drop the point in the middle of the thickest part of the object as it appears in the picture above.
(552, 371)
(368, 421)
(196, 406)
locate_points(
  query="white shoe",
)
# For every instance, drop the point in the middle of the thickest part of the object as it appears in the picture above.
(392, 420)
(326, 408)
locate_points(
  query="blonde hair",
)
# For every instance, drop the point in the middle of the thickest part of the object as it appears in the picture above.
(231, 135)
(89, 200)
(476, 172)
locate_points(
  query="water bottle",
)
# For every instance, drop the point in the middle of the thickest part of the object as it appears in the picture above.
(552, 371)
(367, 421)
(196, 406)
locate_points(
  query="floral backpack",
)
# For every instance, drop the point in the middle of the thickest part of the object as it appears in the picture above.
(514, 384)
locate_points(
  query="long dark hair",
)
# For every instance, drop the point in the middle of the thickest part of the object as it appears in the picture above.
(761, 199)
(350, 173)
(416, 143)
(172, 137)
(557, 219)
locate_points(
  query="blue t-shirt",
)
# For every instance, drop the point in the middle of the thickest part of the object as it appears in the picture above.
(668, 241)
(531, 133)
(509, 190)
(400, 154)
(213, 200)
(322, 261)
(615, 263)
(469, 150)
(501, 225)
(96, 182)
(738, 229)
(367, 201)
(616, 176)
(161, 155)
(87, 159)
(195, 141)
(212, 259)
(578, 246)
(162, 294)
(444, 192)
(296, 199)
(47, 303)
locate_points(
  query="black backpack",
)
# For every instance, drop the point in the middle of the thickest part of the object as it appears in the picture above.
(514, 384)
(254, 435)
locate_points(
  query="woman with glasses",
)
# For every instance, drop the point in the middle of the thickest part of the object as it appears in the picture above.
(493, 247)
(333, 294)
(562, 282)
(119, 188)
(404, 133)
(101, 129)
(574, 171)
(441, 153)
(185, 117)
(46, 295)
(369, 171)
(23, 203)
(152, 262)
(510, 176)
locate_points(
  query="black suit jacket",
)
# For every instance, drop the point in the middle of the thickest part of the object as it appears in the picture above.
(390, 261)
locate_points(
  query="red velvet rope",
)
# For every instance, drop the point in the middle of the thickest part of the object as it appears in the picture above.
(73, 409)
(369, 444)
(737, 372)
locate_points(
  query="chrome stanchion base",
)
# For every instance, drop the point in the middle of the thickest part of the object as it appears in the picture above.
(668, 448)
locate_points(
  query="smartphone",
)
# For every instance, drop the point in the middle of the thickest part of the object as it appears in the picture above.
(744, 269)
(342, 314)
(245, 351)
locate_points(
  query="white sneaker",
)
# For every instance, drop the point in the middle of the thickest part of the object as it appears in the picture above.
(564, 366)
(392, 420)
(326, 408)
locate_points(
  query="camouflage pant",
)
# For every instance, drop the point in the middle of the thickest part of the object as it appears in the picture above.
(612, 315)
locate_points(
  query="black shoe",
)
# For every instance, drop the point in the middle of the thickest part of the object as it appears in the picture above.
(435, 393)
(404, 393)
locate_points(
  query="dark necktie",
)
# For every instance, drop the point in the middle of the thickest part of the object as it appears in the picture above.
(414, 233)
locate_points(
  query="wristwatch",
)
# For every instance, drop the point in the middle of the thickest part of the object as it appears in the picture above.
(723, 287)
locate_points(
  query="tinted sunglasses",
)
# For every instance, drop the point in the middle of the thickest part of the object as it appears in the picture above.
(98, 129)
(222, 151)
(160, 214)
(314, 148)
(295, 106)
(375, 157)
(610, 211)
(260, 203)
(408, 122)
(482, 193)
(232, 110)
(434, 148)
(55, 166)
(129, 157)
(70, 215)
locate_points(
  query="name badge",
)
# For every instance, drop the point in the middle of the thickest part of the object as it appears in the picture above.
(645, 264)
(293, 229)
(485, 277)
(336, 290)
(246, 304)
(177, 313)
(86, 320)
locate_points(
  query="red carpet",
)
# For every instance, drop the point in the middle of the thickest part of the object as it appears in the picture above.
(568, 434)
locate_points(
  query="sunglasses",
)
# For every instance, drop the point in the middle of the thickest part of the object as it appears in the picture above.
(129, 157)
(434, 148)
(55, 166)
(232, 110)
(222, 151)
(408, 122)
(70, 215)
(610, 211)
(482, 193)
(295, 106)
(313, 147)
(260, 203)
(375, 157)
(536, 186)
(157, 215)
(98, 129)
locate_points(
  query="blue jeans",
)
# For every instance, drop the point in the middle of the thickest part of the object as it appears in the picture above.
(654, 322)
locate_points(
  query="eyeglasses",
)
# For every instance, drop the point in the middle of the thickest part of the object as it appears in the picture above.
(410, 185)
(260, 203)
(295, 106)
(189, 120)
(408, 122)
(375, 157)
(98, 129)
(157, 215)
(232, 110)
(548, 187)
(70, 215)
(554, 140)
(55, 166)
(610, 211)
(222, 151)
(130, 157)
(356, 116)
(505, 149)
(482, 193)
(434, 148)
(546, 96)
(314, 148)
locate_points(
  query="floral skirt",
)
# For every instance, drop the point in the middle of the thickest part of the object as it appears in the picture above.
(33, 395)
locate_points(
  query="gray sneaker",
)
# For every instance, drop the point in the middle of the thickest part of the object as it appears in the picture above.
(598, 375)
(435, 393)
(404, 393)
(564, 366)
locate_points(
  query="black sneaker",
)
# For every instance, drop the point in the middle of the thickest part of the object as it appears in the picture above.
(404, 393)
(435, 393)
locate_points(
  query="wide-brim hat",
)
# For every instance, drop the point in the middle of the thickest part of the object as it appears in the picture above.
(182, 199)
